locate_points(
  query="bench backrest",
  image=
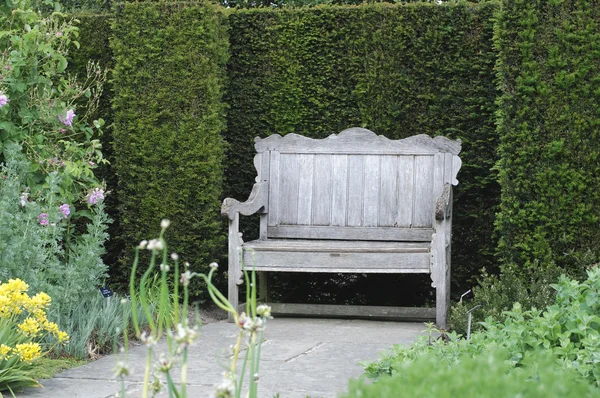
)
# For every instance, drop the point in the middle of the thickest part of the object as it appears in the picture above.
(354, 185)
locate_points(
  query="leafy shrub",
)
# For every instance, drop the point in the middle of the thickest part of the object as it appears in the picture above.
(95, 325)
(39, 241)
(42, 109)
(485, 375)
(496, 294)
(23, 327)
(569, 330)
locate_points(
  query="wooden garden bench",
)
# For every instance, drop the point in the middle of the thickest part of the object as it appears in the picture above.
(353, 202)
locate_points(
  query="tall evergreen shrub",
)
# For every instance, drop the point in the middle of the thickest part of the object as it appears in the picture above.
(549, 123)
(168, 116)
(398, 70)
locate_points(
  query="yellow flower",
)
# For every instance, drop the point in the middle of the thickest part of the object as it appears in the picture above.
(30, 327)
(28, 351)
(5, 307)
(51, 327)
(62, 337)
(40, 301)
(4, 350)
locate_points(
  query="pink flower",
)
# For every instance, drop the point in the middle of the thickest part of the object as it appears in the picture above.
(59, 34)
(65, 210)
(63, 130)
(43, 219)
(96, 195)
(91, 163)
(67, 119)
(3, 100)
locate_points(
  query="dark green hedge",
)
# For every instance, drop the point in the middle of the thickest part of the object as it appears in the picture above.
(549, 123)
(168, 116)
(94, 36)
(398, 70)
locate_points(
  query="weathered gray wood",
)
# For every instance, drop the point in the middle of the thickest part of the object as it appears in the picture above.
(263, 287)
(274, 187)
(339, 190)
(352, 202)
(305, 189)
(406, 190)
(388, 198)
(338, 246)
(289, 166)
(258, 200)
(415, 314)
(322, 188)
(423, 190)
(358, 141)
(356, 177)
(311, 261)
(442, 204)
(351, 233)
(372, 188)
(234, 266)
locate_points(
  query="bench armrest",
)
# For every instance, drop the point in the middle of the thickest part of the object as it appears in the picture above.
(443, 205)
(257, 200)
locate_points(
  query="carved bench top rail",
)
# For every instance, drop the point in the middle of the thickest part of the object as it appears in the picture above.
(360, 141)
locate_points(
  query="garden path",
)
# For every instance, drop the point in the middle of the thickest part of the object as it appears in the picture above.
(300, 357)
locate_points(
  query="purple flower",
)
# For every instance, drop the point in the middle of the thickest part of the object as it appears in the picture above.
(65, 210)
(67, 119)
(96, 195)
(43, 219)
(3, 100)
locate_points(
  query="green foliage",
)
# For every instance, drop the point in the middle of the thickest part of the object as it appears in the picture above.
(485, 375)
(494, 295)
(94, 324)
(51, 255)
(548, 118)
(40, 110)
(168, 116)
(46, 368)
(398, 70)
(569, 330)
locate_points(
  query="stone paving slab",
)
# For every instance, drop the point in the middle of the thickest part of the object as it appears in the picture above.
(300, 358)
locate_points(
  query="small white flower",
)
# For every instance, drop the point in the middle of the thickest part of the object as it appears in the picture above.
(164, 364)
(263, 311)
(23, 198)
(121, 369)
(155, 244)
(164, 224)
(164, 267)
(226, 389)
(174, 256)
(214, 265)
(185, 278)
(147, 339)
(143, 244)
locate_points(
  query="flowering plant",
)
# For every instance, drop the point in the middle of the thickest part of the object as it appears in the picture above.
(180, 334)
(42, 108)
(23, 327)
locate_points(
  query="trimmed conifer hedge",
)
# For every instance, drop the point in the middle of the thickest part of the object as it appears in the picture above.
(168, 118)
(549, 123)
(398, 70)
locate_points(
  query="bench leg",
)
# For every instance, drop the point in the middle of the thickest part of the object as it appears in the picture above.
(234, 269)
(263, 287)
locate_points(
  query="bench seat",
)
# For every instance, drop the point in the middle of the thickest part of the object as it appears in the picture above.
(297, 255)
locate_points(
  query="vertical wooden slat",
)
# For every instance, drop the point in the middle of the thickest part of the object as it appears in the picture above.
(264, 176)
(305, 188)
(423, 203)
(355, 190)
(438, 178)
(372, 182)
(339, 190)
(321, 204)
(288, 188)
(406, 191)
(388, 198)
(274, 187)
